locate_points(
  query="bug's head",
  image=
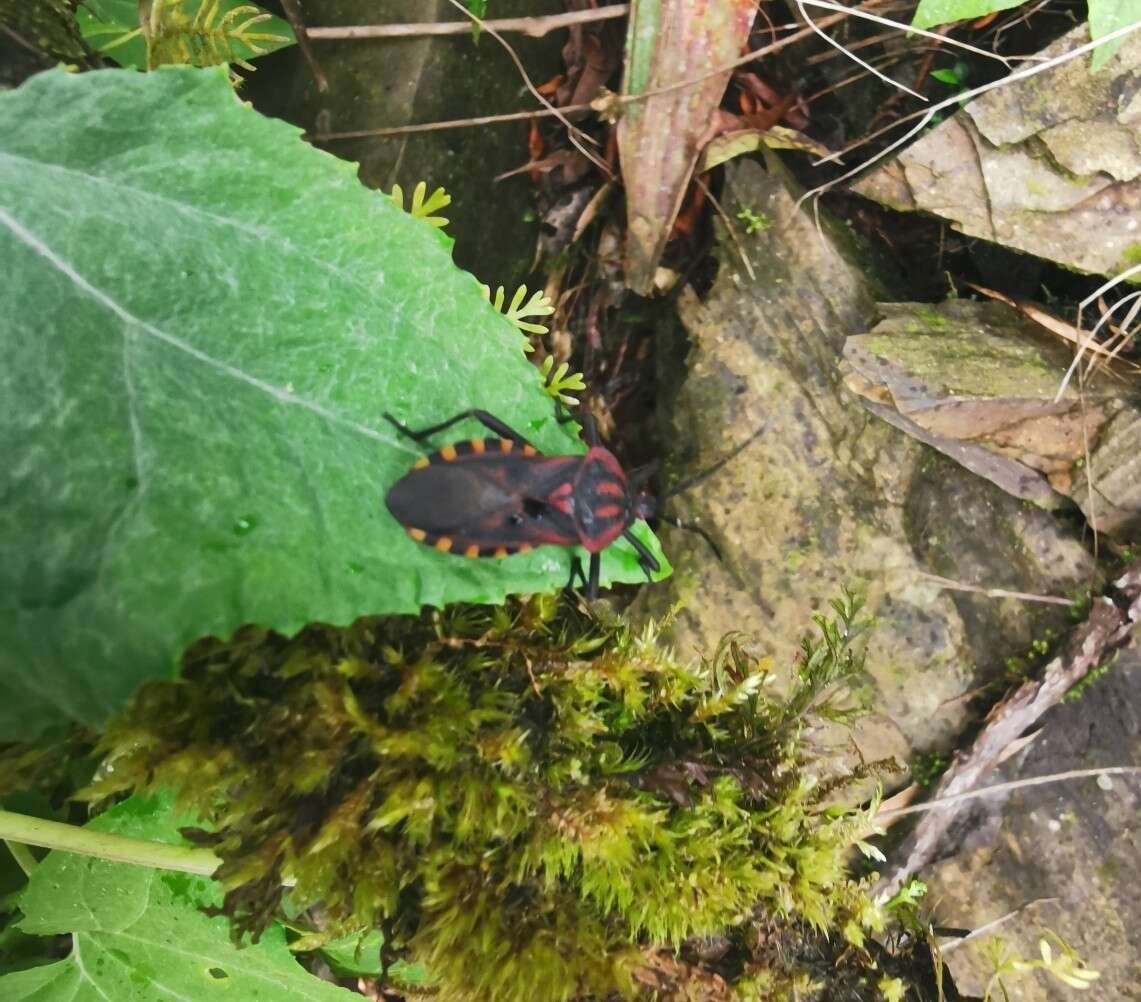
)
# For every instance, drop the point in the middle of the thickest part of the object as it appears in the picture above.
(642, 503)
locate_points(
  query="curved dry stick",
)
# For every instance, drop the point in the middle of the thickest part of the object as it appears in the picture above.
(578, 138)
(534, 27)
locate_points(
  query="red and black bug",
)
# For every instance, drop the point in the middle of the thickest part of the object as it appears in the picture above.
(490, 497)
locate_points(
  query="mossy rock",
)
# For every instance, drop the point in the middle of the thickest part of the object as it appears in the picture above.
(532, 804)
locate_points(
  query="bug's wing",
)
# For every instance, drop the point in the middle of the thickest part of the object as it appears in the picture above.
(492, 502)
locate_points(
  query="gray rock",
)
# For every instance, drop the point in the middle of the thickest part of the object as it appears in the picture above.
(978, 382)
(830, 496)
(1113, 502)
(1050, 165)
(1066, 857)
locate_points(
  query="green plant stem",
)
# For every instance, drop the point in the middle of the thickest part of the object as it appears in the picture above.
(120, 848)
(23, 857)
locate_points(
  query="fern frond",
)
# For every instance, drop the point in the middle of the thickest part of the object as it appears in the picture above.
(423, 208)
(539, 305)
(207, 37)
(558, 384)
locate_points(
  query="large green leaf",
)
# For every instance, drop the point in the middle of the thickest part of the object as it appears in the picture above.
(204, 321)
(139, 934)
(112, 28)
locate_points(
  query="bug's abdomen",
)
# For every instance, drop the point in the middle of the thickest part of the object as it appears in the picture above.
(481, 499)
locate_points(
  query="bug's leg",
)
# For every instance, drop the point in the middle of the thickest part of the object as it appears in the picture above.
(677, 523)
(489, 421)
(592, 584)
(575, 573)
(646, 560)
(563, 416)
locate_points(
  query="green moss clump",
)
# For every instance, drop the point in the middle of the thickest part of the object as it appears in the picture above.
(533, 805)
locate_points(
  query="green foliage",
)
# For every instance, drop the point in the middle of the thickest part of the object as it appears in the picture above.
(193, 435)
(194, 32)
(520, 307)
(1105, 17)
(755, 222)
(360, 956)
(930, 13)
(1065, 965)
(532, 805)
(1090, 679)
(423, 206)
(908, 896)
(953, 76)
(558, 383)
(138, 934)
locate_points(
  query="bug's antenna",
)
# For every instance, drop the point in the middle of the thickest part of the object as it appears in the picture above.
(693, 527)
(709, 471)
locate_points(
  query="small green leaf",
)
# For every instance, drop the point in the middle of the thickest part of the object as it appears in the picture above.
(1106, 16)
(930, 13)
(559, 384)
(359, 956)
(423, 208)
(520, 307)
(139, 934)
(955, 76)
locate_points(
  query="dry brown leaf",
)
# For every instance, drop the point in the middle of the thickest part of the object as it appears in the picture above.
(659, 138)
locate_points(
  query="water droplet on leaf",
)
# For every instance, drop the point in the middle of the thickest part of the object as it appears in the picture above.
(244, 525)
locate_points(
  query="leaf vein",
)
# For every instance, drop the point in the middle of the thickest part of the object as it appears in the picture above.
(78, 958)
(279, 394)
(193, 211)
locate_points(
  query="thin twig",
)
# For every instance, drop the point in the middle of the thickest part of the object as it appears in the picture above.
(800, 5)
(579, 139)
(293, 15)
(990, 926)
(1091, 298)
(955, 100)
(729, 228)
(1022, 596)
(619, 99)
(1091, 501)
(1015, 784)
(937, 36)
(535, 27)
(25, 44)
(451, 123)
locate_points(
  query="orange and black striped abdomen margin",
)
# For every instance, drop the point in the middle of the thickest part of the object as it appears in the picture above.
(454, 544)
(474, 447)
(484, 498)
